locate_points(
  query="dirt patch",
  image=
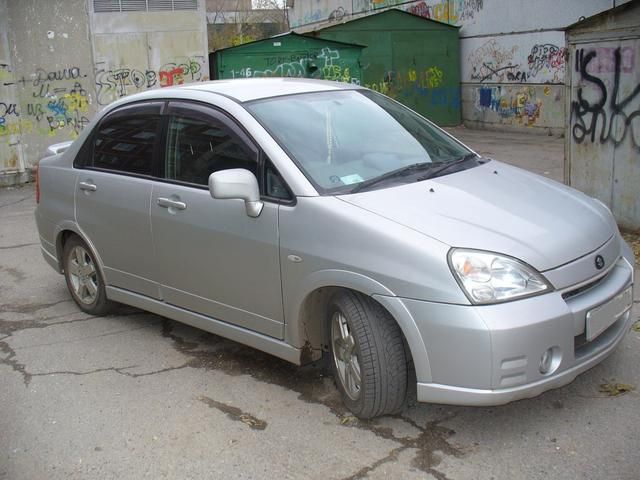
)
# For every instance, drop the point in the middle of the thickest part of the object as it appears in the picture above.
(234, 413)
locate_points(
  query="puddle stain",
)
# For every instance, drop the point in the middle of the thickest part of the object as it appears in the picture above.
(313, 385)
(234, 413)
(432, 438)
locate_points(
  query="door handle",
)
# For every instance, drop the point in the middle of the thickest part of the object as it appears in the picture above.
(87, 186)
(168, 203)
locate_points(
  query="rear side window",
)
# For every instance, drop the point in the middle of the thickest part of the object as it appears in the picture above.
(200, 143)
(125, 140)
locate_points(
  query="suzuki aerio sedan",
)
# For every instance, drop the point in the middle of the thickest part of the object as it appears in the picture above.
(308, 219)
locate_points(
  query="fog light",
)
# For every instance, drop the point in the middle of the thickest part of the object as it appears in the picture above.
(550, 360)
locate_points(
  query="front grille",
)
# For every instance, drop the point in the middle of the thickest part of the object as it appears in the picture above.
(577, 291)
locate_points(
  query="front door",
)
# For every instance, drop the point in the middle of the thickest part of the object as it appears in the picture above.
(212, 258)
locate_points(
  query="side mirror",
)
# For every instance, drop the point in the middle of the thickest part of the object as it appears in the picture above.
(240, 184)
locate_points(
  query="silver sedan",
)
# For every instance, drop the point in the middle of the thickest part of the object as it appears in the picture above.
(313, 219)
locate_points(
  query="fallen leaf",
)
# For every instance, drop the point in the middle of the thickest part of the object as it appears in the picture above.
(636, 327)
(347, 419)
(615, 389)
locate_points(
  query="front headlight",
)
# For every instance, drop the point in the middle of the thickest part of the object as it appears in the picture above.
(492, 278)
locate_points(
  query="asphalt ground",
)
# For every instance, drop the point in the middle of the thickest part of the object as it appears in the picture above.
(135, 395)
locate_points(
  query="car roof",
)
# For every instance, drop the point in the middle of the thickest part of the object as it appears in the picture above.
(247, 89)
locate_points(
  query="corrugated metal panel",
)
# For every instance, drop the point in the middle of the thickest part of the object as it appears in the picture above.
(134, 5)
(110, 6)
(160, 5)
(103, 6)
(185, 4)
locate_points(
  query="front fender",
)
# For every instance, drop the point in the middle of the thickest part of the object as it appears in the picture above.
(298, 333)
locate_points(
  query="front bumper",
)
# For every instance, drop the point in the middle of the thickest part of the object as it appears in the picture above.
(490, 355)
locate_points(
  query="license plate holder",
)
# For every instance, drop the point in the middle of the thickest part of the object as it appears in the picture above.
(602, 317)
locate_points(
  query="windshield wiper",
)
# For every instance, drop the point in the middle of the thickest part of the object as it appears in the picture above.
(441, 169)
(392, 174)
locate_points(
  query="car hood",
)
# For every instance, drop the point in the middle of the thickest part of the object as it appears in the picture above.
(499, 208)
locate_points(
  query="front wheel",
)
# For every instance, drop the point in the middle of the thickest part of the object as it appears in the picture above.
(83, 278)
(368, 357)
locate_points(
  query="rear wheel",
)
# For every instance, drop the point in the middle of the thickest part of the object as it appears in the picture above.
(368, 357)
(84, 279)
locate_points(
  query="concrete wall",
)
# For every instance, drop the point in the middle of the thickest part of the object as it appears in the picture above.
(51, 79)
(11, 157)
(59, 65)
(141, 50)
(512, 52)
(603, 132)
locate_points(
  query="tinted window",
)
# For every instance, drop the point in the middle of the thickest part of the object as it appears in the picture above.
(125, 141)
(197, 146)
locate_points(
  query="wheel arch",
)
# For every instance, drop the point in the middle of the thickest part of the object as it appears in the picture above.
(306, 327)
(62, 234)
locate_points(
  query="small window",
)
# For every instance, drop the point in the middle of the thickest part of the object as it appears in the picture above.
(275, 186)
(198, 146)
(125, 141)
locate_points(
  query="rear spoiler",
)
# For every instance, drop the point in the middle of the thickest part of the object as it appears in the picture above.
(57, 148)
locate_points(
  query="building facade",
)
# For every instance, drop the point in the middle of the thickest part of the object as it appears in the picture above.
(61, 61)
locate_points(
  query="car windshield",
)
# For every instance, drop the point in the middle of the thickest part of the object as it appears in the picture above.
(343, 140)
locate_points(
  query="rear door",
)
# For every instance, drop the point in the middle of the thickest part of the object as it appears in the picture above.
(212, 258)
(113, 195)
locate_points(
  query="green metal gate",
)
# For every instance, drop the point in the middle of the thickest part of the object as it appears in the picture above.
(290, 55)
(412, 59)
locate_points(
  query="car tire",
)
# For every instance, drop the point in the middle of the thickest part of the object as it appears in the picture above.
(367, 355)
(84, 279)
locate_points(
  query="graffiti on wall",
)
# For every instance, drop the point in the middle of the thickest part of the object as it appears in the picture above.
(493, 62)
(324, 64)
(314, 14)
(114, 83)
(519, 104)
(427, 82)
(52, 102)
(448, 11)
(606, 107)
(547, 60)
(58, 102)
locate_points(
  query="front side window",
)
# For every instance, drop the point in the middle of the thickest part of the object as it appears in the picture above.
(199, 145)
(125, 140)
(341, 139)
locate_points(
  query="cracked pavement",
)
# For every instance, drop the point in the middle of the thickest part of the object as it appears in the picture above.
(136, 395)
